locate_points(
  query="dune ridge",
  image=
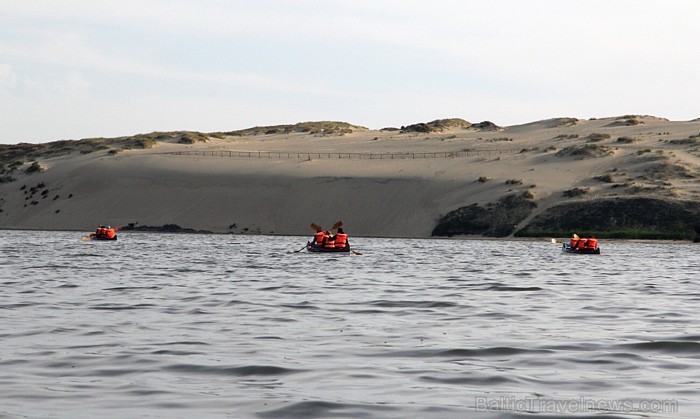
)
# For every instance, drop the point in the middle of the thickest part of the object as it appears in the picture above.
(387, 183)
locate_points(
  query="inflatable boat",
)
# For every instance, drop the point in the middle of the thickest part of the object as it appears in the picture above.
(319, 249)
(566, 248)
(94, 236)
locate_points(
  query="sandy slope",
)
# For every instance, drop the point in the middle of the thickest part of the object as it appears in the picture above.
(374, 197)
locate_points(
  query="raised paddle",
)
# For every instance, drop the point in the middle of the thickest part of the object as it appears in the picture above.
(336, 226)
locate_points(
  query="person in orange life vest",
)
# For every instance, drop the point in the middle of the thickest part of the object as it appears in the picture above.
(318, 239)
(109, 232)
(574, 241)
(100, 231)
(340, 239)
(328, 241)
(592, 243)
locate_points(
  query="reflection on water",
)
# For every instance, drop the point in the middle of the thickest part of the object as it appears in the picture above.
(214, 325)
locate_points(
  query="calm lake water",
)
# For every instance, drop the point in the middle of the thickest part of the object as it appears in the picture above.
(158, 325)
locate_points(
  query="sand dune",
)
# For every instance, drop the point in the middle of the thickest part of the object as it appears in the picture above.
(379, 182)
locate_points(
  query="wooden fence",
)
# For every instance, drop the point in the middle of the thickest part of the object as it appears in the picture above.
(336, 155)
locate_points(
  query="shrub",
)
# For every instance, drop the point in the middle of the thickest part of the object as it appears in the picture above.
(192, 137)
(585, 151)
(35, 167)
(144, 143)
(572, 193)
(595, 138)
(692, 140)
(607, 178)
(498, 219)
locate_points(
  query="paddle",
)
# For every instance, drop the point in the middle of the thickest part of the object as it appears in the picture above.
(317, 227)
(297, 251)
(357, 253)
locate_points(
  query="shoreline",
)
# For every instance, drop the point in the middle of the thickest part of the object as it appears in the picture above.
(560, 240)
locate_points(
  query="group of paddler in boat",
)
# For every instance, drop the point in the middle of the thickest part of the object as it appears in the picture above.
(581, 245)
(104, 233)
(324, 241)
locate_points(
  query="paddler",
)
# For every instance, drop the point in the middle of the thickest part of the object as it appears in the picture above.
(340, 239)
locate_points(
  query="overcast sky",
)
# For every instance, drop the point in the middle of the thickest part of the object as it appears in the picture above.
(75, 69)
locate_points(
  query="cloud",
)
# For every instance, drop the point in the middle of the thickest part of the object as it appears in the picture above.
(75, 86)
(371, 62)
(7, 76)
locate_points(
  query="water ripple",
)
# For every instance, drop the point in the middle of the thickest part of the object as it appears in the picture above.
(244, 327)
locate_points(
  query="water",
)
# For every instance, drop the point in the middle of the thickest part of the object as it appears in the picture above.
(157, 325)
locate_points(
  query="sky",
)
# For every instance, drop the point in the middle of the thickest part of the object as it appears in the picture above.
(74, 69)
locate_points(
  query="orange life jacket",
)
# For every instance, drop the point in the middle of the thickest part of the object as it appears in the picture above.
(100, 231)
(582, 243)
(328, 244)
(592, 243)
(573, 243)
(109, 233)
(341, 239)
(318, 237)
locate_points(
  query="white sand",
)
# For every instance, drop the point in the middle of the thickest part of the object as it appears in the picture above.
(397, 198)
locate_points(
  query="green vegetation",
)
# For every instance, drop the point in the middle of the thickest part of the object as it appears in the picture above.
(573, 193)
(585, 151)
(566, 137)
(486, 126)
(596, 138)
(321, 128)
(496, 219)
(528, 194)
(438, 125)
(692, 140)
(607, 178)
(35, 167)
(612, 234)
(499, 139)
(666, 170)
(625, 218)
(14, 155)
(564, 122)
